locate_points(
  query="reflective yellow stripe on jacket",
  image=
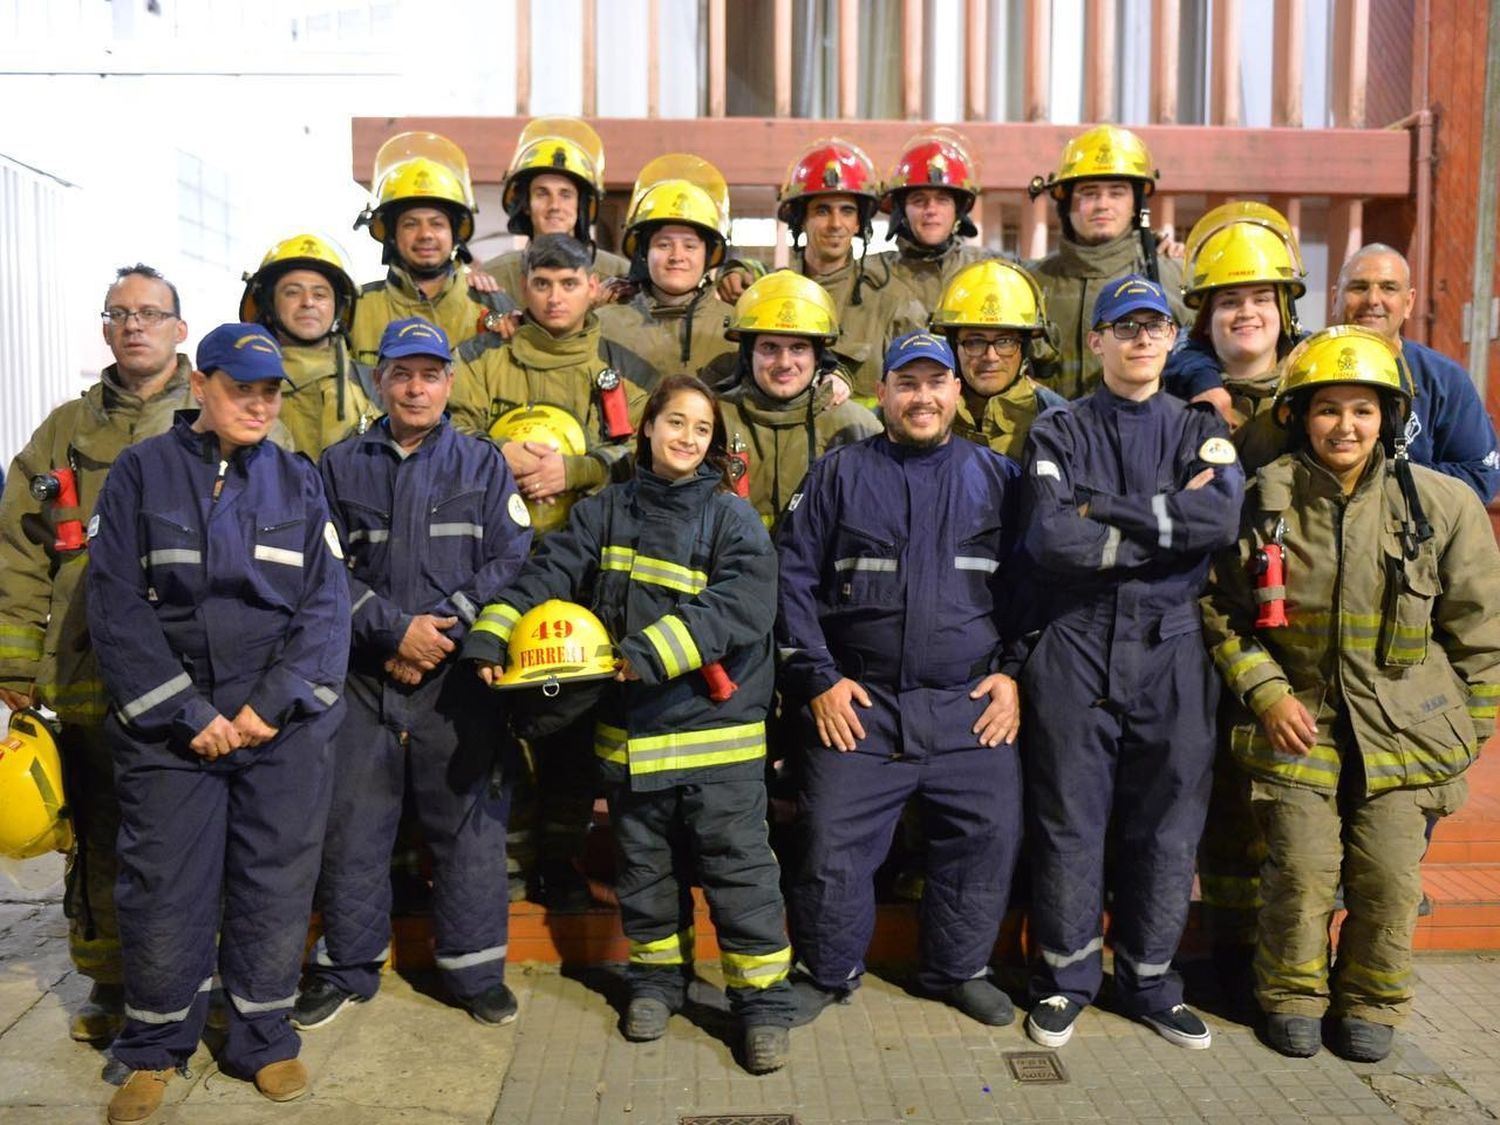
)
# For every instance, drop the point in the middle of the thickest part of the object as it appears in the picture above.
(693, 749)
(657, 572)
(21, 642)
(498, 619)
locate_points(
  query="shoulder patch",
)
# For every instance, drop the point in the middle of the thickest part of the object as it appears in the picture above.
(1047, 469)
(1217, 451)
(93, 525)
(515, 507)
(331, 537)
(791, 505)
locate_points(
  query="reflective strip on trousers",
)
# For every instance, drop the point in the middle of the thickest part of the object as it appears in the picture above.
(674, 949)
(145, 1015)
(755, 970)
(254, 1007)
(1063, 960)
(469, 960)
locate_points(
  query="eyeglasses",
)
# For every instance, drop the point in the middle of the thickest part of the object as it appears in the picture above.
(147, 318)
(1130, 329)
(1005, 346)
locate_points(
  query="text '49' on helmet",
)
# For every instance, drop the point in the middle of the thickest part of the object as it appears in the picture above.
(315, 252)
(551, 426)
(560, 146)
(1242, 243)
(679, 189)
(417, 169)
(554, 643)
(1105, 152)
(34, 816)
(934, 158)
(992, 294)
(1344, 354)
(831, 166)
(784, 303)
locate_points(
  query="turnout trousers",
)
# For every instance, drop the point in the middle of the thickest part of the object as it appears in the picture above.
(243, 831)
(448, 734)
(93, 931)
(1136, 755)
(714, 831)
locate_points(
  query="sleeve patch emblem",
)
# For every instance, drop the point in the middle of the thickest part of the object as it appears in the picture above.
(515, 507)
(1217, 451)
(1047, 469)
(331, 537)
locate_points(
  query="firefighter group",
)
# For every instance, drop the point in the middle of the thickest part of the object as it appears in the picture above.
(1034, 569)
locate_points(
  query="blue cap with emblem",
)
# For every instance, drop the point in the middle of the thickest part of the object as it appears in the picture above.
(247, 353)
(414, 336)
(918, 345)
(1128, 294)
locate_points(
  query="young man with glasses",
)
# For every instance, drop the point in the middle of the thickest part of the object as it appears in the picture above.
(1128, 493)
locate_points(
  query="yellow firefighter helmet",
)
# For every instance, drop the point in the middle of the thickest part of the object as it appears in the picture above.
(1105, 152)
(992, 294)
(1243, 211)
(1343, 354)
(300, 252)
(562, 146)
(679, 188)
(549, 425)
(413, 168)
(785, 303)
(1242, 252)
(554, 643)
(33, 807)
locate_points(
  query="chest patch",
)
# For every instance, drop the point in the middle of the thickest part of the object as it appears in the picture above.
(793, 502)
(1217, 451)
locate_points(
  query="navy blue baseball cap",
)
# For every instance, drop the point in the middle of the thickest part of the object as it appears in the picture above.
(918, 345)
(247, 353)
(414, 336)
(1129, 294)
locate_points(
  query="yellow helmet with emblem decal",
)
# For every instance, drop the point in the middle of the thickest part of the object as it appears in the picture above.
(560, 146)
(785, 303)
(1242, 243)
(992, 294)
(1344, 354)
(551, 426)
(1105, 152)
(316, 252)
(678, 188)
(34, 816)
(555, 643)
(412, 169)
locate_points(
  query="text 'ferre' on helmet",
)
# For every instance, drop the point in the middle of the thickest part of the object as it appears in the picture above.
(411, 169)
(34, 815)
(563, 146)
(935, 158)
(1105, 152)
(831, 166)
(992, 294)
(1242, 243)
(1344, 354)
(555, 643)
(550, 426)
(317, 252)
(682, 189)
(784, 303)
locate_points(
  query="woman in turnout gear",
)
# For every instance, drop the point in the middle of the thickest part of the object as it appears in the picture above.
(1368, 674)
(219, 612)
(683, 576)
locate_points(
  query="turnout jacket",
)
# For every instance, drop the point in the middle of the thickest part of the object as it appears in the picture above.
(214, 584)
(323, 400)
(496, 375)
(1402, 645)
(671, 338)
(682, 575)
(924, 272)
(1002, 421)
(457, 309)
(893, 568)
(441, 530)
(509, 274)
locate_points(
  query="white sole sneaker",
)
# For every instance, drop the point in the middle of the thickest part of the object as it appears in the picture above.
(1045, 1038)
(1180, 1038)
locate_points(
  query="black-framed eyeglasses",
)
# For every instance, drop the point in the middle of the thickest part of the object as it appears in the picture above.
(1004, 346)
(1129, 329)
(147, 318)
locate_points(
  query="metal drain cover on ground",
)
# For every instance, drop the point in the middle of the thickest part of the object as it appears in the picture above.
(738, 1119)
(1035, 1066)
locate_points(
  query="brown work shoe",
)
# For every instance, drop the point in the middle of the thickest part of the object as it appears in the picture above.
(139, 1097)
(282, 1081)
(102, 1015)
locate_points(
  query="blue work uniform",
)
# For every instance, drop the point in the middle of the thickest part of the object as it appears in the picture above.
(215, 584)
(1119, 689)
(440, 530)
(893, 574)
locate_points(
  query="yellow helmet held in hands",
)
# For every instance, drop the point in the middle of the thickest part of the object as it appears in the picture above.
(555, 643)
(416, 168)
(785, 303)
(34, 815)
(300, 252)
(548, 425)
(679, 188)
(1105, 152)
(992, 294)
(1343, 354)
(561, 146)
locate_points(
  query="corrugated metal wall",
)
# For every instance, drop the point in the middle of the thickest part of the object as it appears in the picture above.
(39, 356)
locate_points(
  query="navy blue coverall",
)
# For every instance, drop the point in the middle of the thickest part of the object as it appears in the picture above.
(441, 530)
(212, 585)
(1120, 691)
(893, 572)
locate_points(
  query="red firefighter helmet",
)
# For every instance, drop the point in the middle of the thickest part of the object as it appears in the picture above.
(935, 158)
(830, 166)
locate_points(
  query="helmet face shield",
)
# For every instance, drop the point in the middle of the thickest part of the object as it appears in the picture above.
(679, 189)
(1105, 152)
(413, 169)
(561, 146)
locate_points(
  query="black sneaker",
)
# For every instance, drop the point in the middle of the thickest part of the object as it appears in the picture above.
(811, 998)
(1296, 1037)
(646, 1019)
(1361, 1040)
(767, 1048)
(980, 1000)
(1051, 1021)
(319, 1003)
(1180, 1025)
(495, 1005)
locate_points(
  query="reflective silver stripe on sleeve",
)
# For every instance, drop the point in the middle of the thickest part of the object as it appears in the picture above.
(369, 535)
(366, 596)
(1111, 549)
(172, 555)
(1163, 520)
(465, 607)
(842, 565)
(145, 1015)
(324, 695)
(788, 652)
(278, 555)
(1063, 960)
(467, 530)
(159, 694)
(976, 562)
(250, 1007)
(469, 960)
